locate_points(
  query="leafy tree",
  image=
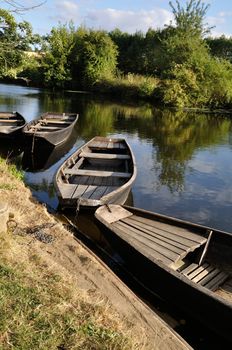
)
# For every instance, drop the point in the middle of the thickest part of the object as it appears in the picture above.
(191, 75)
(220, 47)
(190, 19)
(96, 56)
(185, 37)
(57, 70)
(14, 38)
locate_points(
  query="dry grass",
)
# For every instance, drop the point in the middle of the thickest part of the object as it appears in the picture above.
(40, 302)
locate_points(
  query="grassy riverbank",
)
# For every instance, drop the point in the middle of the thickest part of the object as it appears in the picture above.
(56, 294)
(42, 307)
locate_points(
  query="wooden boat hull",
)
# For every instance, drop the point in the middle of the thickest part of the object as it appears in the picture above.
(197, 301)
(105, 174)
(44, 156)
(11, 124)
(53, 134)
(119, 198)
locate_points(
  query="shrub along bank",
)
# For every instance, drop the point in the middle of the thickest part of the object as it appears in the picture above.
(178, 66)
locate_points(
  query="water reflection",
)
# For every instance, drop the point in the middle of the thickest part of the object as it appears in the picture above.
(10, 149)
(43, 155)
(184, 159)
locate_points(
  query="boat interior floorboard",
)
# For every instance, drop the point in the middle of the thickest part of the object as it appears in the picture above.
(206, 275)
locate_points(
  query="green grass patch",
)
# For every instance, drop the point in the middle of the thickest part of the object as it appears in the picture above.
(7, 187)
(41, 313)
(13, 169)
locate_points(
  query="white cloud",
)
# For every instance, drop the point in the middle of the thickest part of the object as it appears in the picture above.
(129, 21)
(67, 11)
(217, 33)
(225, 14)
(213, 21)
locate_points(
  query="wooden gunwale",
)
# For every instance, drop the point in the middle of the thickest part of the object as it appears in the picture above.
(94, 178)
(55, 131)
(192, 286)
(11, 124)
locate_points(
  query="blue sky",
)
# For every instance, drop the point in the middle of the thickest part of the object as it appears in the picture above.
(127, 15)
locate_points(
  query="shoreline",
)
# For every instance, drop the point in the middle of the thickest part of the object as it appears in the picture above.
(117, 96)
(80, 269)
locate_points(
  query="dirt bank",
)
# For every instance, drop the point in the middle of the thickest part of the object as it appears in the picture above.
(34, 232)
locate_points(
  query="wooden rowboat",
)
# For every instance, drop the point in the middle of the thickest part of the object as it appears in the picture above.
(53, 128)
(102, 171)
(186, 264)
(42, 158)
(11, 124)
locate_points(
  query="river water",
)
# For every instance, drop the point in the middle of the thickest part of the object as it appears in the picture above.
(184, 159)
(184, 162)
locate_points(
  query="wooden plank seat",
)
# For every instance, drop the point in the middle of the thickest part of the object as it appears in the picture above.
(7, 115)
(104, 155)
(42, 128)
(47, 121)
(206, 275)
(58, 118)
(3, 120)
(96, 173)
(104, 144)
(155, 240)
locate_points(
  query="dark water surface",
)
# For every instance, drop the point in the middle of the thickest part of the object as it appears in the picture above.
(184, 159)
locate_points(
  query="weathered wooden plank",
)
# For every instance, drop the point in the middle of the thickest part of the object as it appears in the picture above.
(56, 118)
(110, 145)
(99, 144)
(78, 164)
(110, 189)
(154, 236)
(104, 155)
(215, 282)
(149, 238)
(94, 144)
(99, 192)
(229, 282)
(227, 287)
(209, 277)
(157, 247)
(89, 191)
(80, 190)
(96, 173)
(42, 128)
(103, 144)
(201, 273)
(52, 121)
(80, 180)
(67, 190)
(9, 120)
(113, 213)
(108, 181)
(98, 181)
(190, 268)
(7, 115)
(143, 249)
(180, 231)
(179, 240)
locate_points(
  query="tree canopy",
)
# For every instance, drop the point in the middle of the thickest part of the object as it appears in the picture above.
(176, 66)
